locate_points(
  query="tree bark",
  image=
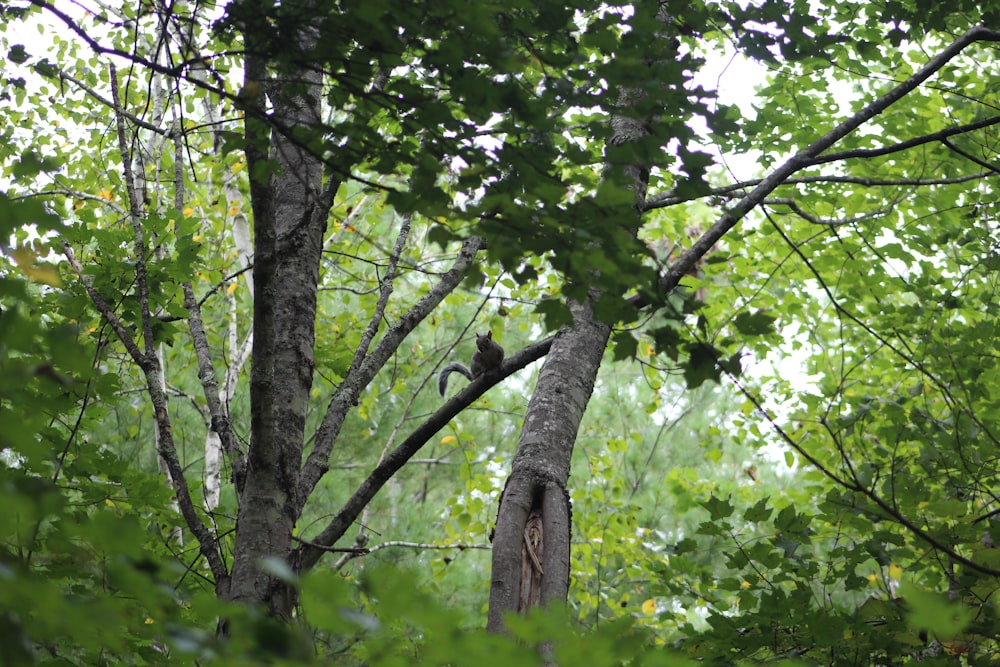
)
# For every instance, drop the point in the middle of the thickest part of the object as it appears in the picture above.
(290, 218)
(535, 499)
(532, 537)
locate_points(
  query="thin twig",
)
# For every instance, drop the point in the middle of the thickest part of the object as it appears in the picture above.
(969, 156)
(810, 155)
(385, 290)
(340, 523)
(350, 389)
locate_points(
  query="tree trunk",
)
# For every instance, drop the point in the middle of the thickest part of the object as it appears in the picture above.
(290, 218)
(531, 542)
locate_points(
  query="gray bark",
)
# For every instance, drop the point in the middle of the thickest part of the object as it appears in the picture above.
(540, 470)
(537, 486)
(290, 218)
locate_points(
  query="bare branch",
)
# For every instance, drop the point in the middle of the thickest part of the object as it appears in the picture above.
(969, 156)
(358, 551)
(348, 392)
(910, 143)
(433, 547)
(830, 222)
(139, 122)
(364, 551)
(340, 523)
(668, 198)
(385, 290)
(210, 386)
(75, 194)
(810, 156)
(215, 288)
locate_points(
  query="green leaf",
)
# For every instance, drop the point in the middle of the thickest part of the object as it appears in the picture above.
(758, 512)
(718, 508)
(17, 54)
(700, 365)
(625, 345)
(758, 323)
(441, 235)
(15, 214)
(933, 612)
(554, 312)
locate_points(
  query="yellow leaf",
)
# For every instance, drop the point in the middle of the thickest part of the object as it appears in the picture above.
(106, 195)
(44, 273)
(956, 648)
(447, 440)
(196, 237)
(23, 256)
(744, 584)
(237, 167)
(27, 260)
(232, 288)
(109, 502)
(188, 212)
(649, 606)
(78, 204)
(896, 572)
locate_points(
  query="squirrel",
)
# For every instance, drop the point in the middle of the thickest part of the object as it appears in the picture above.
(488, 357)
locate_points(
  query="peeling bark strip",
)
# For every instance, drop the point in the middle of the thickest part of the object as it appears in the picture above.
(531, 564)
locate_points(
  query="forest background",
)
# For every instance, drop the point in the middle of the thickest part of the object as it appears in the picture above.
(238, 241)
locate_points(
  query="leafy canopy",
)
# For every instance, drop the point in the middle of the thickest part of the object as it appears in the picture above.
(854, 524)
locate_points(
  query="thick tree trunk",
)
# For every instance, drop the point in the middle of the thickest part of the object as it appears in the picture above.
(531, 542)
(290, 216)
